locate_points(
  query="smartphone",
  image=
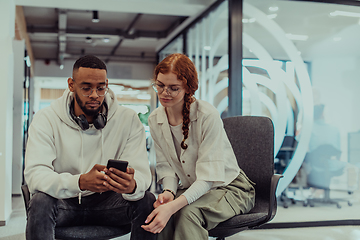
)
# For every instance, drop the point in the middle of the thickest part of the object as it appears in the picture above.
(118, 164)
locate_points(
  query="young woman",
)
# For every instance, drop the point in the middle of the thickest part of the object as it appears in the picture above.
(203, 184)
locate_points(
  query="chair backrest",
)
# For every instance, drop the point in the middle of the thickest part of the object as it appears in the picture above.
(320, 161)
(287, 148)
(289, 141)
(321, 153)
(252, 139)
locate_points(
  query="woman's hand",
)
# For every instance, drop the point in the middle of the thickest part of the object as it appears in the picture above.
(160, 217)
(162, 213)
(163, 198)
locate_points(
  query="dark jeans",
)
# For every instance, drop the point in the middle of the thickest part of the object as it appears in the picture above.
(107, 209)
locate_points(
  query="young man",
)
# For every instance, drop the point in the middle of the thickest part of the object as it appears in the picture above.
(68, 148)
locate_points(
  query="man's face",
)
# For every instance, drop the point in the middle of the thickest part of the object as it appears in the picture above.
(83, 79)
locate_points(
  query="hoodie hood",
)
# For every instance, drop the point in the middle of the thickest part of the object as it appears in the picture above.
(61, 107)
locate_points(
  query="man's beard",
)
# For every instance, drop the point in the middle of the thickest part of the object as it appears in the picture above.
(88, 112)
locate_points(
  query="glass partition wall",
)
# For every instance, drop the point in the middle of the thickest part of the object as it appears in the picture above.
(300, 67)
(207, 47)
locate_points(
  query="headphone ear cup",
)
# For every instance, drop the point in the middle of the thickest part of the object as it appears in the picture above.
(82, 121)
(100, 121)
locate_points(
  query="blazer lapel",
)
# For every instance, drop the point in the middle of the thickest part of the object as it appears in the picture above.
(165, 128)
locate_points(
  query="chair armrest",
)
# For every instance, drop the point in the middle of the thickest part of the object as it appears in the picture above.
(272, 208)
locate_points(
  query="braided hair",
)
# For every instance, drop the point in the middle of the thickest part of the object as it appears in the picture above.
(185, 71)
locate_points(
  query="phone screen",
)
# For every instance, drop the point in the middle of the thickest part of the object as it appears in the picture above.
(118, 164)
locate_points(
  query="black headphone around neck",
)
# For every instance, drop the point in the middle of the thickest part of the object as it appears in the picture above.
(99, 120)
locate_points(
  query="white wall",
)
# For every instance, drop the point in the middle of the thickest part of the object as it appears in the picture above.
(18, 115)
(338, 82)
(7, 29)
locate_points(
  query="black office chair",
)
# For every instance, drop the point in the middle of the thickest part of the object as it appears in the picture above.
(319, 161)
(81, 232)
(252, 139)
(285, 155)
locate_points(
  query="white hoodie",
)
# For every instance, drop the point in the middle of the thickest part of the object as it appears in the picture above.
(58, 151)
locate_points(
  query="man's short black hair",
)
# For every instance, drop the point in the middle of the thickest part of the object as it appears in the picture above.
(89, 61)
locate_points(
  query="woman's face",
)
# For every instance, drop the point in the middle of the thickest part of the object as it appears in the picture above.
(171, 91)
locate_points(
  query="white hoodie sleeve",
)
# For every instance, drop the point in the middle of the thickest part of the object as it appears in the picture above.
(40, 154)
(135, 153)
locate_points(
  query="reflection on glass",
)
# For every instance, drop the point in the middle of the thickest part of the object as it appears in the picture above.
(208, 49)
(278, 89)
(323, 163)
(176, 46)
(325, 40)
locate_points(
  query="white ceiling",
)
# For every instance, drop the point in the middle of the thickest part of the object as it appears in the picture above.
(156, 7)
(127, 31)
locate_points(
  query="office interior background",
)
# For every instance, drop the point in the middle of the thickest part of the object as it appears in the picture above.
(282, 59)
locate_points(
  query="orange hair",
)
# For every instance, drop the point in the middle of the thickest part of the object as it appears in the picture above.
(185, 71)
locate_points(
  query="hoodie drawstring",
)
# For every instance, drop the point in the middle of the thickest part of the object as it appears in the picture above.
(82, 159)
(82, 154)
(102, 145)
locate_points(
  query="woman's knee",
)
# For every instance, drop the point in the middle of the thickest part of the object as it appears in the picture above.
(189, 214)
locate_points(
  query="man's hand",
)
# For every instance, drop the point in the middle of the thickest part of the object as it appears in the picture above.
(121, 182)
(94, 180)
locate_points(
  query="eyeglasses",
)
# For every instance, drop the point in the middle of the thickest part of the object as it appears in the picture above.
(87, 91)
(173, 91)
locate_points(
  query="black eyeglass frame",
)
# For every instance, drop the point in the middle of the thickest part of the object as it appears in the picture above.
(92, 90)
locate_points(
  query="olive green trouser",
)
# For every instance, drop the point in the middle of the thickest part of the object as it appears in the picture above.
(193, 221)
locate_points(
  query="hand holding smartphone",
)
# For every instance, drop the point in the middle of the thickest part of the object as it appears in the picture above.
(120, 182)
(118, 164)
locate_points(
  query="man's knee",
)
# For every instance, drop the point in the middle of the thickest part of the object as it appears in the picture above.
(147, 201)
(149, 197)
(144, 205)
(42, 202)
